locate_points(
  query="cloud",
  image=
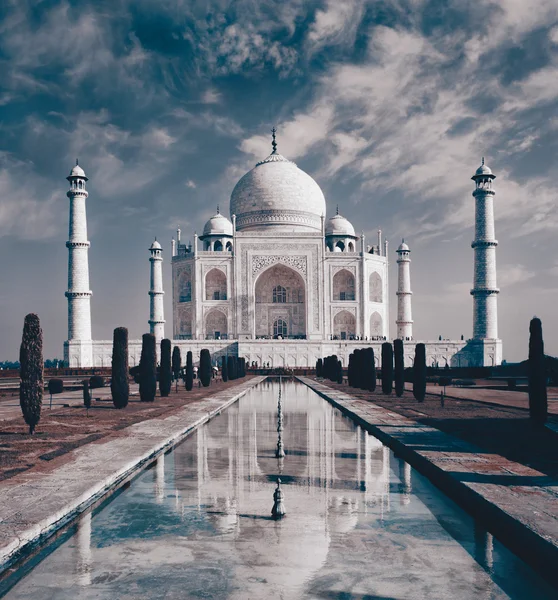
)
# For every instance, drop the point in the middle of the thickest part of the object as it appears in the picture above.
(191, 184)
(336, 24)
(510, 275)
(211, 96)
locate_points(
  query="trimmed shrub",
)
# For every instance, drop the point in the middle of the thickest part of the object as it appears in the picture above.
(31, 371)
(204, 372)
(165, 372)
(361, 375)
(351, 370)
(134, 373)
(119, 385)
(55, 386)
(148, 368)
(419, 373)
(538, 401)
(189, 376)
(399, 356)
(387, 367)
(224, 369)
(339, 372)
(96, 381)
(319, 367)
(176, 364)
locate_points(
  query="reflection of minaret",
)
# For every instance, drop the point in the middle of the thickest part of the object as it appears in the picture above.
(83, 546)
(405, 478)
(160, 478)
(484, 548)
(280, 452)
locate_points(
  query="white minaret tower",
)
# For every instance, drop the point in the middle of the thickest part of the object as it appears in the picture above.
(79, 295)
(156, 310)
(404, 314)
(485, 290)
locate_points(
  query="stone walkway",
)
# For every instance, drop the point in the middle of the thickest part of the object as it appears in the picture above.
(33, 505)
(518, 504)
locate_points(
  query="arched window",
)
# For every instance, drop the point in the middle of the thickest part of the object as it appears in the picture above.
(279, 294)
(229, 246)
(216, 325)
(215, 285)
(376, 329)
(351, 247)
(184, 288)
(279, 328)
(343, 285)
(344, 325)
(376, 293)
(218, 246)
(339, 247)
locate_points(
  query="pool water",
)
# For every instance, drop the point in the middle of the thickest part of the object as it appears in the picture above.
(360, 522)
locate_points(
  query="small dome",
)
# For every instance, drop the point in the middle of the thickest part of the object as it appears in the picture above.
(155, 246)
(403, 247)
(77, 171)
(483, 169)
(338, 225)
(218, 225)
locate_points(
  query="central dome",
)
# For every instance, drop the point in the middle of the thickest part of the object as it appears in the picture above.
(277, 194)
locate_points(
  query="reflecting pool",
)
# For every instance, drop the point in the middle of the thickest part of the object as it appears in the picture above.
(360, 522)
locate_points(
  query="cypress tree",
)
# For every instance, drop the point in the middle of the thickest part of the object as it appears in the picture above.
(399, 367)
(351, 369)
(148, 368)
(230, 367)
(119, 385)
(31, 371)
(419, 373)
(360, 369)
(165, 372)
(176, 364)
(224, 369)
(86, 395)
(538, 402)
(370, 369)
(333, 373)
(204, 372)
(189, 378)
(319, 367)
(387, 367)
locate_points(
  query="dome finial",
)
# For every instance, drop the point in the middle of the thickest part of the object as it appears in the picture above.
(77, 162)
(482, 161)
(337, 210)
(273, 142)
(218, 211)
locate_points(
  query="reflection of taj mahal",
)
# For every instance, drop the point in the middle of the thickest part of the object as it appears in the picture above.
(280, 283)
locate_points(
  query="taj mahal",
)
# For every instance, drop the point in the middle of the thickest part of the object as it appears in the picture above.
(281, 283)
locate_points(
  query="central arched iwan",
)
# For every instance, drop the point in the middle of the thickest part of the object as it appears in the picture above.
(280, 295)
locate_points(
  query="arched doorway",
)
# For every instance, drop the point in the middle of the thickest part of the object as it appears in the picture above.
(215, 285)
(280, 295)
(343, 285)
(216, 325)
(344, 324)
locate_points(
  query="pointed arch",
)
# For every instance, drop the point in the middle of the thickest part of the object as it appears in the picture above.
(343, 285)
(215, 285)
(375, 287)
(216, 326)
(344, 325)
(376, 325)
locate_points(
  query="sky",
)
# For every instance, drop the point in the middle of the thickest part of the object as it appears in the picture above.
(388, 104)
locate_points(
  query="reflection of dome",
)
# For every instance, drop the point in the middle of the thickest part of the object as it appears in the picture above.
(276, 193)
(338, 225)
(218, 225)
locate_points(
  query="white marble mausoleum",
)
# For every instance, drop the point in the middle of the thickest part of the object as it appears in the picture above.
(281, 283)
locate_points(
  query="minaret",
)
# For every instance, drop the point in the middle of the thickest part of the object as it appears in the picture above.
(78, 294)
(404, 314)
(485, 290)
(156, 311)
